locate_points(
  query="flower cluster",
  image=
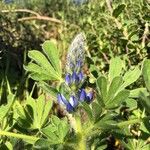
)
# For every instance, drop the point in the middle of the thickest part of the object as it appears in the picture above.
(75, 56)
(77, 96)
(74, 77)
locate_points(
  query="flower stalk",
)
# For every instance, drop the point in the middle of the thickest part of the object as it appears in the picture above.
(80, 133)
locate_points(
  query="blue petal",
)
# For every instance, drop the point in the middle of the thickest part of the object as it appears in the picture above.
(75, 78)
(82, 95)
(80, 76)
(79, 64)
(68, 79)
(73, 101)
(61, 99)
(69, 108)
(89, 97)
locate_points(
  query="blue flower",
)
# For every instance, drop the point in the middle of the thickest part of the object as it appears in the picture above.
(70, 105)
(73, 101)
(68, 79)
(83, 96)
(61, 99)
(8, 1)
(89, 97)
(74, 78)
(80, 75)
(79, 2)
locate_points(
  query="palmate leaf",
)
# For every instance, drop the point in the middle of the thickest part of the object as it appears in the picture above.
(144, 95)
(55, 132)
(37, 73)
(111, 90)
(41, 110)
(112, 97)
(131, 103)
(45, 67)
(35, 113)
(88, 110)
(53, 54)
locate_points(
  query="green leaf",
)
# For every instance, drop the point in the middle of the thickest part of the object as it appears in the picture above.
(101, 84)
(146, 73)
(99, 100)
(46, 112)
(42, 61)
(52, 91)
(42, 144)
(115, 68)
(130, 77)
(113, 88)
(106, 122)
(88, 110)
(4, 109)
(56, 131)
(96, 110)
(145, 102)
(52, 53)
(118, 10)
(40, 77)
(135, 37)
(131, 103)
(51, 133)
(118, 99)
(37, 72)
(36, 112)
(9, 145)
(136, 92)
(43, 109)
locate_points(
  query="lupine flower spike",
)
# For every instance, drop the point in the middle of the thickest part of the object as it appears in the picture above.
(74, 76)
(75, 57)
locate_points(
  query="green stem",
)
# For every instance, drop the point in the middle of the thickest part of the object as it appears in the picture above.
(82, 143)
(20, 136)
(80, 133)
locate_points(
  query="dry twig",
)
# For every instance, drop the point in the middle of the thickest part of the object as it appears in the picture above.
(36, 17)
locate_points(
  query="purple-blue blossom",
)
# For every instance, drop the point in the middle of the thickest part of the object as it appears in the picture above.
(70, 104)
(83, 96)
(74, 77)
(73, 101)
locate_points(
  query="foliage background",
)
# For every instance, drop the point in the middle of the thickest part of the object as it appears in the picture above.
(112, 29)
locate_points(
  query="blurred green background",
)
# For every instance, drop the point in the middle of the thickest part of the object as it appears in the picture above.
(112, 28)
